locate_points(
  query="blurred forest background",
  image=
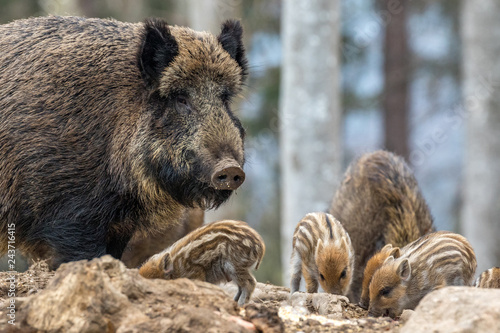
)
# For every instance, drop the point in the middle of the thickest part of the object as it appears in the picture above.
(332, 79)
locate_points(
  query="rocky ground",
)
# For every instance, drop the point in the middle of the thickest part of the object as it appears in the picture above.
(101, 295)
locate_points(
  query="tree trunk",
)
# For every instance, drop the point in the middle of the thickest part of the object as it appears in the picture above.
(208, 15)
(481, 72)
(395, 100)
(310, 112)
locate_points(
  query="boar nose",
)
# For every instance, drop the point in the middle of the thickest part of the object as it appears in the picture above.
(228, 175)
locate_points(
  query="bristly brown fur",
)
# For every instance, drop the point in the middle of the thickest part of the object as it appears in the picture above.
(379, 203)
(216, 252)
(110, 128)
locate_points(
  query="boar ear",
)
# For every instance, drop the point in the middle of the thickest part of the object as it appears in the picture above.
(404, 270)
(157, 51)
(231, 40)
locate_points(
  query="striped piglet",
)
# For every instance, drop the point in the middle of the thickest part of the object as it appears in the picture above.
(372, 266)
(489, 278)
(216, 252)
(431, 262)
(322, 251)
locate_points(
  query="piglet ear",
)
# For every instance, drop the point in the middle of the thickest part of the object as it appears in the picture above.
(395, 252)
(386, 248)
(404, 270)
(345, 243)
(167, 275)
(158, 50)
(388, 259)
(319, 247)
(231, 39)
(166, 262)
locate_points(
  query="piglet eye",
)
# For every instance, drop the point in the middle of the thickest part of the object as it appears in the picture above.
(344, 273)
(385, 291)
(322, 277)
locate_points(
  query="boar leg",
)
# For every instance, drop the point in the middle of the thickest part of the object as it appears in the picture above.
(72, 241)
(116, 244)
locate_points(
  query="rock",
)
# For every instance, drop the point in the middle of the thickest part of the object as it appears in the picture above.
(457, 309)
(27, 283)
(319, 303)
(327, 304)
(102, 295)
(266, 292)
(264, 318)
(263, 292)
(405, 316)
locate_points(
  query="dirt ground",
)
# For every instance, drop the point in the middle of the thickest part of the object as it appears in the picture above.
(269, 311)
(29, 282)
(344, 317)
(354, 319)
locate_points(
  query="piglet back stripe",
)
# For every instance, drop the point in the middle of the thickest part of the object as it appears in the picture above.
(441, 256)
(329, 224)
(315, 226)
(227, 229)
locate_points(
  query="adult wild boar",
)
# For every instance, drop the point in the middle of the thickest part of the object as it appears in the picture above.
(379, 202)
(110, 128)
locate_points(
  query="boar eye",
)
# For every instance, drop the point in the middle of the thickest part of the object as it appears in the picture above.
(344, 273)
(385, 291)
(182, 104)
(321, 277)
